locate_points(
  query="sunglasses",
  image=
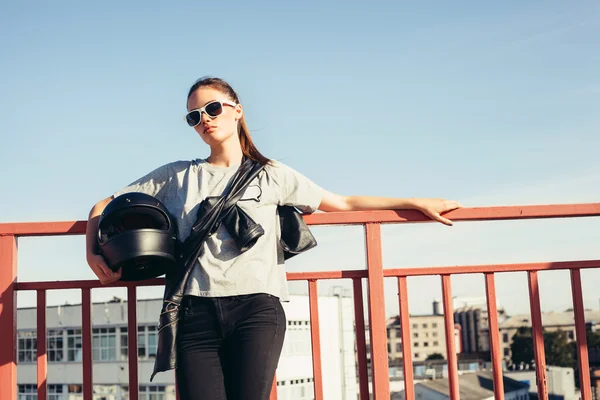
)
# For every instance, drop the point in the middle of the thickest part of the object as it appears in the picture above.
(212, 109)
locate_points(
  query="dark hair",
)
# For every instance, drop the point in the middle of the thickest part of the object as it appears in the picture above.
(248, 147)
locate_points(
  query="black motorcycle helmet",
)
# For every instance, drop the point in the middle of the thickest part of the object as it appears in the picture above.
(137, 233)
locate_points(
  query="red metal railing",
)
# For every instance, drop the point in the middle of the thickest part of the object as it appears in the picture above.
(374, 274)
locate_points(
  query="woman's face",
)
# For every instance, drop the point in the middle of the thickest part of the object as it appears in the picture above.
(218, 129)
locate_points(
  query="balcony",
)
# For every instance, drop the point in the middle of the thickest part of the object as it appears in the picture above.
(378, 376)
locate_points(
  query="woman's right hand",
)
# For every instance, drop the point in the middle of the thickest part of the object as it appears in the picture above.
(102, 271)
(95, 260)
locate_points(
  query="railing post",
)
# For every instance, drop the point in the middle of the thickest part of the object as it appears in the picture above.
(538, 336)
(273, 395)
(8, 316)
(315, 336)
(361, 346)
(581, 336)
(86, 342)
(407, 364)
(490, 288)
(379, 355)
(42, 356)
(132, 342)
(450, 345)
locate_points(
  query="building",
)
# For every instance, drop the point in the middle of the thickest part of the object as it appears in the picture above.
(427, 337)
(472, 316)
(474, 330)
(551, 321)
(561, 382)
(473, 386)
(110, 352)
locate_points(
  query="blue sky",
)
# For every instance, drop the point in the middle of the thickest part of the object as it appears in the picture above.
(489, 104)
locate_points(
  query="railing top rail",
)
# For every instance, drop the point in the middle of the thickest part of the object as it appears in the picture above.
(354, 218)
(342, 274)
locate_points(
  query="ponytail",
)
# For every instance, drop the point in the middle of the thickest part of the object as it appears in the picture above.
(248, 147)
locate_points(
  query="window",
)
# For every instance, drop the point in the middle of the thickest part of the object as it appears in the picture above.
(282, 390)
(424, 325)
(416, 355)
(141, 341)
(55, 347)
(152, 392)
(416, 344)
(26, 347)
(434, 334)
(571, 335)
(505, 337)
(434, 325)
(415, 335)
(297, 339)
(74, 347)
(436, 343)
(425, 344)
(299, 323)
(147, 341)
(415, 326)
(398, 333)
(506, 352)
(104, 344)
(55, 392)
(75, 392)
(105, 392)
(152, 340)
(295, 389)
(398, 347)
(27, 392)
(124, 355)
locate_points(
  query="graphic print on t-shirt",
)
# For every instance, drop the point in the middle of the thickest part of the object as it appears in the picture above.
(252, 192)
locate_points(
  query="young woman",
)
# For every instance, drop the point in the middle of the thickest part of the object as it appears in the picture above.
(231, 327)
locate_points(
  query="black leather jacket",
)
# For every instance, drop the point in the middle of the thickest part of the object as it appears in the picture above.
(214, 211)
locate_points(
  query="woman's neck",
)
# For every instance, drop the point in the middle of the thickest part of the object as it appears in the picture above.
(226, 155)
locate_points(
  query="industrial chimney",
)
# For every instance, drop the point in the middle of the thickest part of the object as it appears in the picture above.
(436, 307)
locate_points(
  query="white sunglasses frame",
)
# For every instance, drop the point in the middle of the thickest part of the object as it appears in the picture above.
(203, 110)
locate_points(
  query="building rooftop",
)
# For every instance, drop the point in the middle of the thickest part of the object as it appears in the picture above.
(476, 386)
(552, 318)
(395, 321)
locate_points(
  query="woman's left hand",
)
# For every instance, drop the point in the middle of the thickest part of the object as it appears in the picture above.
(433, 208)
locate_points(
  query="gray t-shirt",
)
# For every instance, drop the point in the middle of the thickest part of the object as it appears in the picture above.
(222, 270)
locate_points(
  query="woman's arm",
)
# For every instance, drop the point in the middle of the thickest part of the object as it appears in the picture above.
(96, 261)
(430, 207)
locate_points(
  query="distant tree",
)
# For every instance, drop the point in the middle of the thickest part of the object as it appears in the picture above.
(593, 342)
(557, 349)
(522, 347)
(435, 356)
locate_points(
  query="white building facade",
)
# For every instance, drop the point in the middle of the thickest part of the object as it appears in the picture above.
(295, 378)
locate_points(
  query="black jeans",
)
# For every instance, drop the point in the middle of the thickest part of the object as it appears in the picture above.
(228, 347)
